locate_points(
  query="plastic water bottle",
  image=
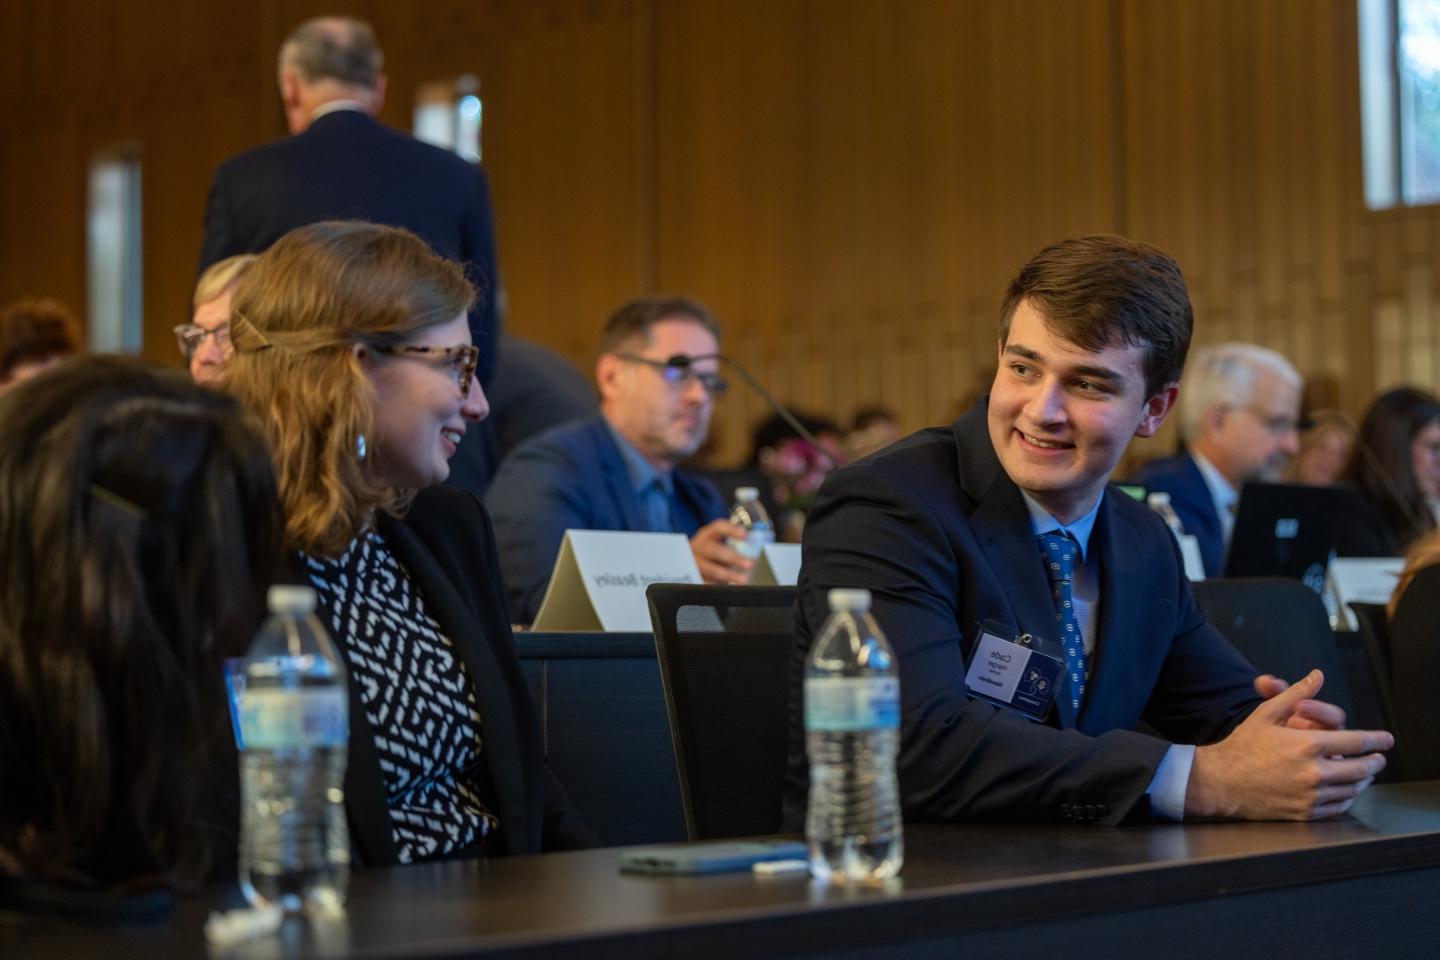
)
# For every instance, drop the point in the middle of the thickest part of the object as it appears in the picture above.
(749, 512)
(294, 727)
(852, 735)
(1159, 501)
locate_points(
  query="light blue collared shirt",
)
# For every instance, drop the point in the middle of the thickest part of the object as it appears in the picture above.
(653, 488)
(1172, 777)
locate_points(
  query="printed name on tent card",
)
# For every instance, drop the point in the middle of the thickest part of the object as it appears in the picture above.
(600, 577)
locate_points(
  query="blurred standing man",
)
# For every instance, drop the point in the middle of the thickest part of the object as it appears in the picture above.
(1239, 421)
(342, 164)
(658, 379)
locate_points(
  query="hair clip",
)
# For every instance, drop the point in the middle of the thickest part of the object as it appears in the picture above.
(117, 501)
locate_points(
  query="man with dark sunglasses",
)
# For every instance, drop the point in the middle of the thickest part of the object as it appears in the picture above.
(657, 371)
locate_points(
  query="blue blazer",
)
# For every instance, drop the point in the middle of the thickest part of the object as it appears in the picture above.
(349, 166)
(940, 535)
(573, 477)
(1180, 477)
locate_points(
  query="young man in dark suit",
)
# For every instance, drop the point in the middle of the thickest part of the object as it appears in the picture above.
(657, 373)
(1003, 517)
(342, 164)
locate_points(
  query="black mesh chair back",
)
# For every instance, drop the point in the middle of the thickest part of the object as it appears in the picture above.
(724, 657)
(1415, 673)
(1367, 664)
(1280, 626)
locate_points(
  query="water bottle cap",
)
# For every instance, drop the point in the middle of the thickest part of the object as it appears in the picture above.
(289, 598)
(746, 494)
(851, 599)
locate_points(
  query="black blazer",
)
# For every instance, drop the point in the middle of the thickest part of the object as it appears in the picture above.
(940, 535)
(446, 544)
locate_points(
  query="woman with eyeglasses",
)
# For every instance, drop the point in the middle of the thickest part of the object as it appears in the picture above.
(205, 341)
(352, 348)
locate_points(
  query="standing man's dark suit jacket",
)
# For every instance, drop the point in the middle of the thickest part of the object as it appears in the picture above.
(941, 536)
(573, 477)
(1180, 477)
(349, 166)
(447, 547)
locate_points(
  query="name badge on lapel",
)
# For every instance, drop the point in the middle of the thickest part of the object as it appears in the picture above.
(1021, 673)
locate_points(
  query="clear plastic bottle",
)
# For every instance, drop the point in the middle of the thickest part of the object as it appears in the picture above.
(1159, 501)
(749, 512)
(294, 726)
(852, 736)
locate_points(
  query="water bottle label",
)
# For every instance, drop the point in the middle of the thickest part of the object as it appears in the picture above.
(834, 704)
(754, 542)
(294, 718)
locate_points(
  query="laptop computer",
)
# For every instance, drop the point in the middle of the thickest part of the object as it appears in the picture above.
(1284, 530)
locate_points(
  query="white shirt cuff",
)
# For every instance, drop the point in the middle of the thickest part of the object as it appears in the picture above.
(1172, 778)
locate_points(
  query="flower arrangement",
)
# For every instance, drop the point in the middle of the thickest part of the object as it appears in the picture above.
(796, 469)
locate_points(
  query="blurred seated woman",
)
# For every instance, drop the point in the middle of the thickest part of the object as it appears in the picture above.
(1395, 470)
(1325, 449)
(353, 349)
(140, 527)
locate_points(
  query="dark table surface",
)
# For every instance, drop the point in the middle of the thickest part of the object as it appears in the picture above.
(1008, 890)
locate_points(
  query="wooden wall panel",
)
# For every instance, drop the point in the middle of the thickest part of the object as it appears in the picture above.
(829, 175)
(850, 183)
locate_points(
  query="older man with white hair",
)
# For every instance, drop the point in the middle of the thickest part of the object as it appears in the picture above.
(1239, 421)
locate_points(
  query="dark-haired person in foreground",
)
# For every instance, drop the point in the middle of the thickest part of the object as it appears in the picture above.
(139, 528)
(948, 528)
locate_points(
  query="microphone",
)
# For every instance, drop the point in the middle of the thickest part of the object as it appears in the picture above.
(778, 407)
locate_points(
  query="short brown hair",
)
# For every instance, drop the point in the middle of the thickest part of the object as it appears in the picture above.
(1101, 290)
(295, 320)
(34, 330)
(634, 319)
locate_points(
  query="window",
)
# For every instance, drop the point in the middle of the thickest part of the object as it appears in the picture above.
(449, 115)
(1400, 101)
(113, 252)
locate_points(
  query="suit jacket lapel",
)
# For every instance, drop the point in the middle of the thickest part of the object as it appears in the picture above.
(1122, 567)
(445, 603)
(1002, 525)
(615, 477)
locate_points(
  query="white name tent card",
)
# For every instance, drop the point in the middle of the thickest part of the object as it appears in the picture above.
(600, 578)
(778, 565)
(1361, 580)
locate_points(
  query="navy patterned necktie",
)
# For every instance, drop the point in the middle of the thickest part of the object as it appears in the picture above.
(1059, 551)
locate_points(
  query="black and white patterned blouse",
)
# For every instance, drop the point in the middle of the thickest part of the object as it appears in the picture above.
(417, 696)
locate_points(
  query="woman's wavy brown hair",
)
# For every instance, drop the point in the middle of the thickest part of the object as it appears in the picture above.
(295, 321)
(139, 529)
